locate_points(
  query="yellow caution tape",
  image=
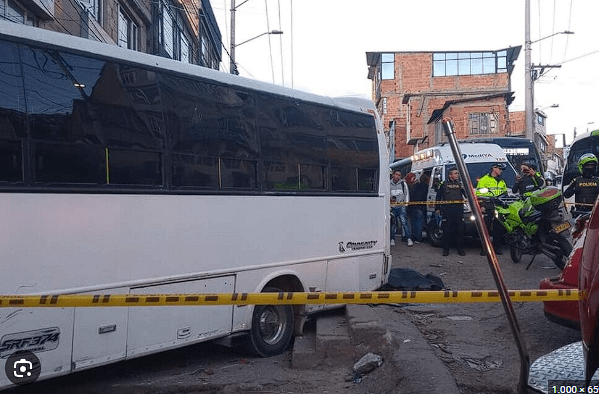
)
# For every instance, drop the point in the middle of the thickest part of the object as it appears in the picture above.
(285, 298)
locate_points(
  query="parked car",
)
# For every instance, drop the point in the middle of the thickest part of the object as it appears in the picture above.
(566, 313)
(589, 288)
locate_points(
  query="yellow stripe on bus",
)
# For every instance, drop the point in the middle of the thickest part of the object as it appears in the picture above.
(286, 298)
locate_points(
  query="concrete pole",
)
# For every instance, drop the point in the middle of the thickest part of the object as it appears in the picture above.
(528, 82)
(233, 66)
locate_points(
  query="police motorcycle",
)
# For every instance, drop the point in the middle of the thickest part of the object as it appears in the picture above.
(535, 224)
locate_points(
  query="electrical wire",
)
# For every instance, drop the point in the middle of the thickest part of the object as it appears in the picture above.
(569, 29)
(227, 39)
(272, 69)
(281, 46)
(553, 34)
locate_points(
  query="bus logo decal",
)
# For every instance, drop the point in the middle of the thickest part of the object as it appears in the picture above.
(361, 245)
(33, 341)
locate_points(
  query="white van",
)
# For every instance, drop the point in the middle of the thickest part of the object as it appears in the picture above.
(436, 162)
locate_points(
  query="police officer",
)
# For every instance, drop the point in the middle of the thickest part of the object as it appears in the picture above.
(529, 180)
(453, 213)
(491, 185)
(586, 185)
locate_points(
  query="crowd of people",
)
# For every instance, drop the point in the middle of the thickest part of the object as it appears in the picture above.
(411, 194)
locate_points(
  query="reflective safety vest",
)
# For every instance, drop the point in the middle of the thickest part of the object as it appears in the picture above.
(495, 187)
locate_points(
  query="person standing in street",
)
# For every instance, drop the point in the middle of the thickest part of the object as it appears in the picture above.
(491, 185)
(452, 192)
(400, 193)
(528, 181)
(584, 187)
(418, 193)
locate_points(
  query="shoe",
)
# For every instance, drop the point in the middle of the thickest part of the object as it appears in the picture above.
(498, 252)
(392, 242)
(483, 252)
(461, 252)
(410, 242)
(445, 252)
(417, 241)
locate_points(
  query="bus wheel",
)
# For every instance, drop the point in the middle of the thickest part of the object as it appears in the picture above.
(272, 328)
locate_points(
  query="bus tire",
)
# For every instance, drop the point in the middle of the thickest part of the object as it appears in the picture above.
(272, 328)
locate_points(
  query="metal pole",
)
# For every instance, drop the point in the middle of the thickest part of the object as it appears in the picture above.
(491, 257)
(528, 82)
(233, 66)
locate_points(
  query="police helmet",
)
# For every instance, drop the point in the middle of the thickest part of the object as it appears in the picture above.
(501, 166)
(587, 158)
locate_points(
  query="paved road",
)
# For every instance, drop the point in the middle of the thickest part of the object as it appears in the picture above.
(474, 340)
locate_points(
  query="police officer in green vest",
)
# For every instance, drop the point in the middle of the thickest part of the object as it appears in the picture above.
(491, 185)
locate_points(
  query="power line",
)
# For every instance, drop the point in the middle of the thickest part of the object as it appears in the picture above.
(281, 46)
(272, 69)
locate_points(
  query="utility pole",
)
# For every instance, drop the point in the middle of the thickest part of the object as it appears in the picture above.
(528, 96)
(233, 66)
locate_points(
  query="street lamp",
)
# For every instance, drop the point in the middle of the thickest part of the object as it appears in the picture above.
(233, 46)
(549, 106)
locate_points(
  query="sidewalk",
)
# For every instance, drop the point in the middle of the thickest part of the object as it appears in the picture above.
(380, 330)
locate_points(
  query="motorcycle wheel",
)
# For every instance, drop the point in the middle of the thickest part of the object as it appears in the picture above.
(515, 254)
(566, 248)
(434, 233)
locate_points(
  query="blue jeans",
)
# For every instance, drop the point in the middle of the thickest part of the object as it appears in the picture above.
(417, 217)
(402, 214)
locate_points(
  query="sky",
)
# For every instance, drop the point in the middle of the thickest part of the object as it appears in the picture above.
(323, 46)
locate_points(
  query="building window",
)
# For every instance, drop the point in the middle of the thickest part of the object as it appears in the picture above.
(540, 119)
(482, 124)
(167, 33)
(92, 7)
(446, 64)
(184, 46)
(128, 31)
(387, 66)
(13, 12)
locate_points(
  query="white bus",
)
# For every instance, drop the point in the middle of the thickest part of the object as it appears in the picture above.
(126, 173)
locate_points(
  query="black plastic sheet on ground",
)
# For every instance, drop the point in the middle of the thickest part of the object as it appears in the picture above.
(406, 279)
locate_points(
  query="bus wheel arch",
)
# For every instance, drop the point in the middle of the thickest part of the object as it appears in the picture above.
(273, 326)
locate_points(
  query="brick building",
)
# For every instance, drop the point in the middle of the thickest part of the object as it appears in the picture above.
(184, 30)
(414, 90)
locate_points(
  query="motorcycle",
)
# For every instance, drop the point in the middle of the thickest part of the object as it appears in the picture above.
(535, 224)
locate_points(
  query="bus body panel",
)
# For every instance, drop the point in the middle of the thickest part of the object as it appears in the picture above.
(160, 328)
(79, 242)
(47, 332)
(99, 336)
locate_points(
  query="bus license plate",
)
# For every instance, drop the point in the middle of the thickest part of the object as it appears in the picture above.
(560, 228)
